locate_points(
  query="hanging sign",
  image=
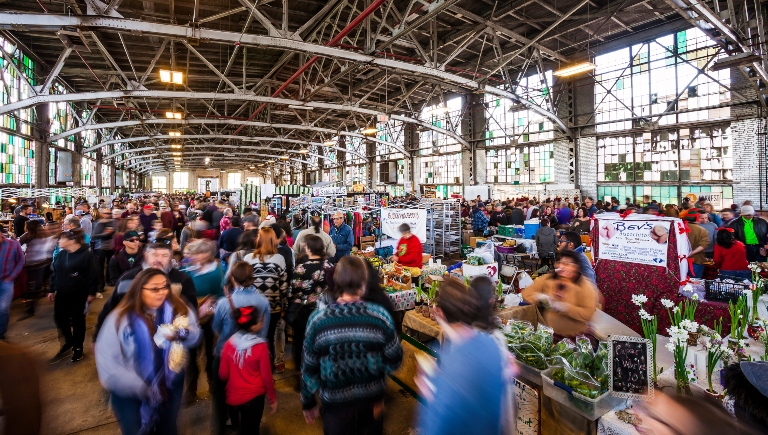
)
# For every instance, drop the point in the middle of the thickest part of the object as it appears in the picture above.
(714, 198)
(329, 191)
(631, 367)
(634, 241)
(430, 191)
(392, 218)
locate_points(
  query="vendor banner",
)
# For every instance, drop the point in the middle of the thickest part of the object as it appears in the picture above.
(392, 218)
(634, 241)
(714, 198)
(329, 191)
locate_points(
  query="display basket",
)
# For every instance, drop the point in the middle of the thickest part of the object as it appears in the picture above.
(384, 252)
(591, 409)
(719, 291)
(530, 373)
(507, 250)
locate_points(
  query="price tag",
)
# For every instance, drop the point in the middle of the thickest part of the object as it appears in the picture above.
(631, 367)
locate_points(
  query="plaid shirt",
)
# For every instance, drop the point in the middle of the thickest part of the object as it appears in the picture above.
(479, 220)
(11, 259)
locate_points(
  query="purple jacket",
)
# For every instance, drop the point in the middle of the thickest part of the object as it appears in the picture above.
(564, 215)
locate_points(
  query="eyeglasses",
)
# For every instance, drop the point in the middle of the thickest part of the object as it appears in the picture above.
(337, 218)
(164, 288)
(562, 241)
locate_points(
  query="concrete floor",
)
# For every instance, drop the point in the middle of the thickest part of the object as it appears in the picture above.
(75, 403)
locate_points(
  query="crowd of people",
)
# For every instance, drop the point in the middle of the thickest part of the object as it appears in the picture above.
(200, 287)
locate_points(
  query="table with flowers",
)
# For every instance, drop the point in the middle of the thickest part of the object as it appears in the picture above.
(403, 300)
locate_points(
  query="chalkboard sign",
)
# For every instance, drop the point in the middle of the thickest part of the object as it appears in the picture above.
(631, 367)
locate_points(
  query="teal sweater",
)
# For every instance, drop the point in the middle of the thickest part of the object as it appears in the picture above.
(208, 283)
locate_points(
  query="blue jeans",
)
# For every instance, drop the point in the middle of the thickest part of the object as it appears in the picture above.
(6, 297)
(127, 412)
(698, 270)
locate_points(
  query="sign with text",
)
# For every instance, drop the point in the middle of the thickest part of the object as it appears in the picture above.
(392, 218)
(631, 367)
(329, 191)
(714, 198)
(634, 241)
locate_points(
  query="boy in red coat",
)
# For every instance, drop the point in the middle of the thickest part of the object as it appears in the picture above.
(409, 250)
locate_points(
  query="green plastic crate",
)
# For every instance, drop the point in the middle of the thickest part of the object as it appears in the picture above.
(507, 230)
(466, 250)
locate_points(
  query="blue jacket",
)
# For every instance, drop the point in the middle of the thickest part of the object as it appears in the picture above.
(224, 323)
(586, 265)
(343, 239)
(479, 220)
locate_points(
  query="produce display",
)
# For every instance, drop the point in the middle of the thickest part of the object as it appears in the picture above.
(376, 262)
(396, 277)
(474, 260)
(509, 243)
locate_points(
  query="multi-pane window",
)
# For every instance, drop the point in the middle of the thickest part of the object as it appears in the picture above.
(666, 194)
(527, 164)
(17, 154)
(440, 154)
(441, 169)
(106, 179)
(180, 181)
(685, 154)
(52, 165)
(510, 123)
(88, 172)
(160, 183)
(641, 85)
(234, 180)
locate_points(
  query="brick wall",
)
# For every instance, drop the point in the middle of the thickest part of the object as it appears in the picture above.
(747, 151)
(561, 148)
(586, 148)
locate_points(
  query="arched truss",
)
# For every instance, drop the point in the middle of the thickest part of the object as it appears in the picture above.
(213, 145)
(192, 122)
(54, 22)
(148, 159)
(171, 95)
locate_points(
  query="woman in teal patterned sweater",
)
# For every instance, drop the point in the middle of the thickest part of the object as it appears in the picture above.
(350, 348)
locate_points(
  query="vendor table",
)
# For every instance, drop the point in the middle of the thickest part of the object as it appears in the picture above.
(403, 300)
(424, 325)
(530, 244)
(609, 424)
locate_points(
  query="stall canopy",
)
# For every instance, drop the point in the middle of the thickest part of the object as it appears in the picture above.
(292, 189)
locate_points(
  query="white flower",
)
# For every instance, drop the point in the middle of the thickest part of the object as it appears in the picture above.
(644, 315)
(688, 288)
(667, 303)
(639, 300)
(670, 347)
(677, 335)
(689, 325)
(695, 297)
(742, 343)
(676, 310)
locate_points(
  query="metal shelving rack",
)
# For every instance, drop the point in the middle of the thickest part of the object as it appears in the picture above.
(446, 224)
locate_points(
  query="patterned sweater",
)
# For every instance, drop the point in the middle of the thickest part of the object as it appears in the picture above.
(271, 280)
(348, 351)
(308, 281)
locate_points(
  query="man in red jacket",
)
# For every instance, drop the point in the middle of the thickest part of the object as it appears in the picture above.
(409, 250)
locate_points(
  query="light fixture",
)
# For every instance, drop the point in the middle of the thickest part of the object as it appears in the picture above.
(173, 115)
(207, 160)
(370, 130)
(303, 151)
(575, 69)
(175, 146)
(175, 77)
(329, 143)
(284, 157)
(176, 153)
(174, 133)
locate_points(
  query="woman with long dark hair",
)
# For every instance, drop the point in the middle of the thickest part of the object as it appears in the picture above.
(580, 222)
(731, 255)
(246, 243)
(141, 354)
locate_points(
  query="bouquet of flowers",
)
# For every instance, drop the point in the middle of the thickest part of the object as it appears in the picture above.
(739, 313)
(678, 345)
(650, 328)
(717, 349)
(757, 289)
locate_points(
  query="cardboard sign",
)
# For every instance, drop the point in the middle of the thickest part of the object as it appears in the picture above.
(631, 367)
(634, 241)
(527, 403)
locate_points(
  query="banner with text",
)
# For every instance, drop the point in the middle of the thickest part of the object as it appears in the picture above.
(329, 191)
(634, 241)
(714, 198)
(391, 218)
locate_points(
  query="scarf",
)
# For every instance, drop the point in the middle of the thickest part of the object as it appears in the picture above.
(151, 365)
(244, 342)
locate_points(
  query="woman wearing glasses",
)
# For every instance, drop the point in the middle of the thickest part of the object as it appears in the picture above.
(567, 299)
(73, 285)
(141, 354)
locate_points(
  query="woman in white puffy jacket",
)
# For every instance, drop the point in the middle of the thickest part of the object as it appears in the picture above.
(141, 355)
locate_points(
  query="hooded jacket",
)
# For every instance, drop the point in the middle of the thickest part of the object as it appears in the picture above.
(75, 272)
(546, 241)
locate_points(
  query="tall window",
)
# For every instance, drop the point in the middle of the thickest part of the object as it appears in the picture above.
(510, 123)
(160, 183)
(106, 180)
(180, 181)
(234, 180)
(16, 153)
(440, 154)
(528, 164)
(641, 85)
(88, 172)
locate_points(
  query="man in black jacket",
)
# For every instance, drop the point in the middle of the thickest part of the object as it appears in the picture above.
(159, 256)
(518, 215)
(498, 217)
(127, 258)
(752, 231)
(73, 285)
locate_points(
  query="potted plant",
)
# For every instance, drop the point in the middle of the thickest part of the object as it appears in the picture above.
(755, 327)
(739, 313)
(499, 295)
(678, 345)
(717, 350)
(684, 311)
(650, 328)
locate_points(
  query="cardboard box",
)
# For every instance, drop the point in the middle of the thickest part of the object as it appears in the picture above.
(465, 236)
(490, 270)
(473, 241)
(367, 239)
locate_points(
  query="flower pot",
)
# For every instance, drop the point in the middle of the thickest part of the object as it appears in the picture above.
(424, 310)
(693, 339)
(714, 394)
(754, 331)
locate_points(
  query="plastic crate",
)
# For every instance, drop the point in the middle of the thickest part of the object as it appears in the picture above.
(530, 373)
(384, 252)
(466, 250)
(591, 409)
(718, 291)
(506, 230)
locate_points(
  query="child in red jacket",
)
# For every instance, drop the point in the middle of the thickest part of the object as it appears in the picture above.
(408, 251)
(245, 368)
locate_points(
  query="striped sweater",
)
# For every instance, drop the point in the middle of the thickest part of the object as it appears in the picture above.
(348, 351)
(271, 279)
